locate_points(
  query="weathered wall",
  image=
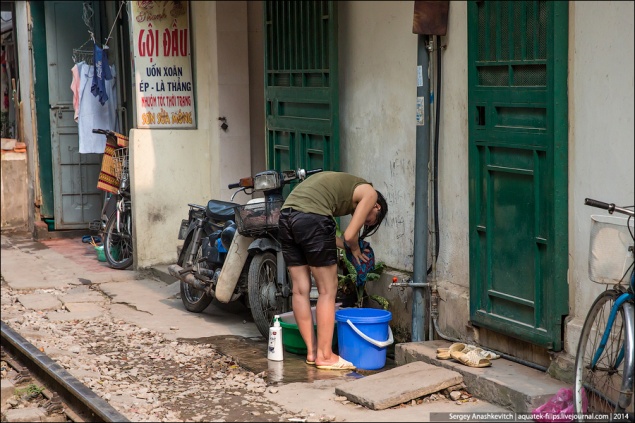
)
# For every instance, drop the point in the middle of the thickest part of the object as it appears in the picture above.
(204, 160)
(13, 191)
(378, 58)
(601, 147)
(377, 61)
(256, 87)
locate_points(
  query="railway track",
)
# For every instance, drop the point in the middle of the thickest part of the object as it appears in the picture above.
(64, 397)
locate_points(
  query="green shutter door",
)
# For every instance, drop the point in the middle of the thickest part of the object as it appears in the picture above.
(301, 85)
(517, 59)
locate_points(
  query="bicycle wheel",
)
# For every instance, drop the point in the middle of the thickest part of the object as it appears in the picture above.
(118, 240)
(600, 382)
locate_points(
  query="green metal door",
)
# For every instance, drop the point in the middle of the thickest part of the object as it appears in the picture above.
(517, 83)
(301, 84)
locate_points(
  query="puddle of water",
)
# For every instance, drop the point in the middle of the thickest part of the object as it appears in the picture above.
(251, 353)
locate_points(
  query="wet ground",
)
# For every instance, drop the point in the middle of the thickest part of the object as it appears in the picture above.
(251, 353)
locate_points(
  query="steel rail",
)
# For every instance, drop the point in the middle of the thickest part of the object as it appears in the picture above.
(72, 391)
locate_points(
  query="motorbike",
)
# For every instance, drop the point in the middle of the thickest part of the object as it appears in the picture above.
(231, 251)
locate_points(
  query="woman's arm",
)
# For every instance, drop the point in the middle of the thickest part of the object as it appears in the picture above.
(366, 197)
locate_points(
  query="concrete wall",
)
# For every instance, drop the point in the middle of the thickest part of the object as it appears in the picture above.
(27, 98)
(256, 87)
(13, 191)
(601, 147)
(233, 95)
(202, 161)
(377, 60)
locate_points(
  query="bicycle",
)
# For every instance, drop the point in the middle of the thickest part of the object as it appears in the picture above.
(604, 359)
(118, 235)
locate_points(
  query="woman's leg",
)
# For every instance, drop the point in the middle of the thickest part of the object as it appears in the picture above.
(326, 281)
(301, 282)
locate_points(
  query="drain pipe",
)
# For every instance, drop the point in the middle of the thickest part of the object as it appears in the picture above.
(434, 294)
(422, 158)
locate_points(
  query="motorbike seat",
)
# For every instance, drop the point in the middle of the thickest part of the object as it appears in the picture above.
(220, 210)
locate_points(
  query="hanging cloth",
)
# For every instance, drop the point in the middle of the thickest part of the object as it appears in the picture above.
(75, 89)
(101, 74)
(93, 114)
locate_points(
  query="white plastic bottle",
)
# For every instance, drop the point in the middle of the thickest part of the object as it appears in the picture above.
(274, 351)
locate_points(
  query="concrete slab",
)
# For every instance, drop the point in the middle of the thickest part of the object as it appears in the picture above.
(82, 294)
(7, 389)
(158, 309)
(76, 311)
(32, 282)
(318, 399)
(42, 301)
(32, 415)
(509, 384)
(399, 385)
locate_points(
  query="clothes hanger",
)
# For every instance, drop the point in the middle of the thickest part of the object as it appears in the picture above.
(86, 56)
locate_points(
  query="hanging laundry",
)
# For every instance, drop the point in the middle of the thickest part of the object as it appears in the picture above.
(75, 90)
(101, 74)
(92, 113)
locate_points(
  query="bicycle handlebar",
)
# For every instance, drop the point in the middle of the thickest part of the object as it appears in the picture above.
(102, 131)
(606, 206)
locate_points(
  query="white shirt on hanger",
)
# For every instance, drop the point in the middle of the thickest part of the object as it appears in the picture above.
(92, 115)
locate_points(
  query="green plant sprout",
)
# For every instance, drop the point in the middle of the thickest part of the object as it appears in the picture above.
(31, 391)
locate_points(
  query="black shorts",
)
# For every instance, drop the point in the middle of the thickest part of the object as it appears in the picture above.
(307, 238)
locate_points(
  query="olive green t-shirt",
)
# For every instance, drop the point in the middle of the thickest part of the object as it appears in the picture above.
(325, 193)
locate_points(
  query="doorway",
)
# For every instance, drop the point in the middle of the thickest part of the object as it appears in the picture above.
(70, 198)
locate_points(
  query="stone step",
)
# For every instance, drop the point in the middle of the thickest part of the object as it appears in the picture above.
(512, 385)
(399, 385)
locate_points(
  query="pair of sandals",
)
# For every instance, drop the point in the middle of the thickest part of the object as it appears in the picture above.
(470, 355)
(341, 364)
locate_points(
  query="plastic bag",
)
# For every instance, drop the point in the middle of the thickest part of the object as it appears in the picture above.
(559, 408)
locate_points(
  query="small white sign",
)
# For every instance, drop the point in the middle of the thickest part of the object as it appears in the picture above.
(420, 111)
(419, 76)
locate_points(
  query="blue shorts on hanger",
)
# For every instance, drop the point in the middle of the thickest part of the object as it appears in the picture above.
(102, 74)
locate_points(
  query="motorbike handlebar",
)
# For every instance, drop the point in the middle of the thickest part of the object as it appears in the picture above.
(285, 177)
(311, 172)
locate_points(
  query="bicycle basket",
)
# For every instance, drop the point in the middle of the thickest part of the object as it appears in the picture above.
(119, 163)
(609, 257)
(257, 218)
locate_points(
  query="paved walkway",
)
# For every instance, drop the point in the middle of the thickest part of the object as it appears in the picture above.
(140, 298)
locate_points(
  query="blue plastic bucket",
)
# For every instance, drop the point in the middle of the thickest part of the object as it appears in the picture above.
(363, 335)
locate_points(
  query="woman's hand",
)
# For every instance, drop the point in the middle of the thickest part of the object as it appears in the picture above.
(359, 256)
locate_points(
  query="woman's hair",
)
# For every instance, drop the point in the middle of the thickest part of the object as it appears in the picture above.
(383, 209)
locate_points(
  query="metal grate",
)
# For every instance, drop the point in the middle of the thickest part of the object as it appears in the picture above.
(530, 76)
(493, 76)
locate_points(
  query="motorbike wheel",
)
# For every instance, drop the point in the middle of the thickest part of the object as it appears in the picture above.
(265, 295)
(194, 300)
(118, 240)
